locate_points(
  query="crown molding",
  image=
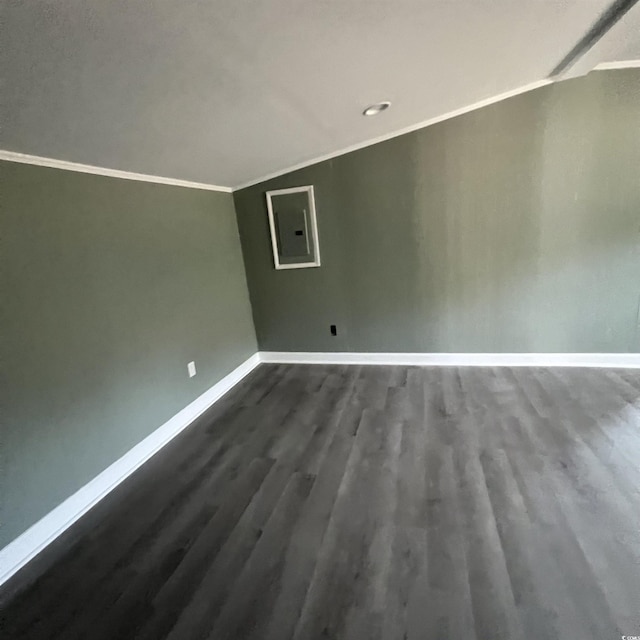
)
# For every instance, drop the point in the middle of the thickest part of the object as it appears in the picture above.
(24, 158)
(622, 64)
(399, 132)
(12, 156)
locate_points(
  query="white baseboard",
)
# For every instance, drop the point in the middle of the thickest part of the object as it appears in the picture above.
(26, 546)
(614, 360)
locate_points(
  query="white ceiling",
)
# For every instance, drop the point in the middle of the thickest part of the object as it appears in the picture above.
(227, 92)
(621, 42)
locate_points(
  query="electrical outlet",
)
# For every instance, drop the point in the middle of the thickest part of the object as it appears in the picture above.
(334, 330)
(191, 368)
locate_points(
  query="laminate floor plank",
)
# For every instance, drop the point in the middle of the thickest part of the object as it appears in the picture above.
(587, 592)
(195, 619)
(302, 553)
(247, 609)
(331, 502)
(167, 604)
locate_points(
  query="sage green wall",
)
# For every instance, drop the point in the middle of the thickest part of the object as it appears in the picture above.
(513, 228)
(109, 288)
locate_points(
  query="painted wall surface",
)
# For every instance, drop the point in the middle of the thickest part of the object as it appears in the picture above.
(513, 228)
(109, 288)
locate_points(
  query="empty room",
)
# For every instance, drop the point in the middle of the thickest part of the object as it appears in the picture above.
(320, 320)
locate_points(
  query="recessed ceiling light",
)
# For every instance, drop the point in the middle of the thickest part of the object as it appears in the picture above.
(375, 109)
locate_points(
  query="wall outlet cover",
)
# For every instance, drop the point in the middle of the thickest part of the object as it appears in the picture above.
(191, 368)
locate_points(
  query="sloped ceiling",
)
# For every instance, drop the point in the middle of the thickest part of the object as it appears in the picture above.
(227, 92)
(620, 43)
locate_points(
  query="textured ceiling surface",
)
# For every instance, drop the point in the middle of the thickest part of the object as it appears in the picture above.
(226, 92)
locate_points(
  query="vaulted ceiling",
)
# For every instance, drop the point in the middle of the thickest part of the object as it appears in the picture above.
(227, 92)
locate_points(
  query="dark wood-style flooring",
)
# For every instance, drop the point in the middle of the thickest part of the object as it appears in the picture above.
(318, 502)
